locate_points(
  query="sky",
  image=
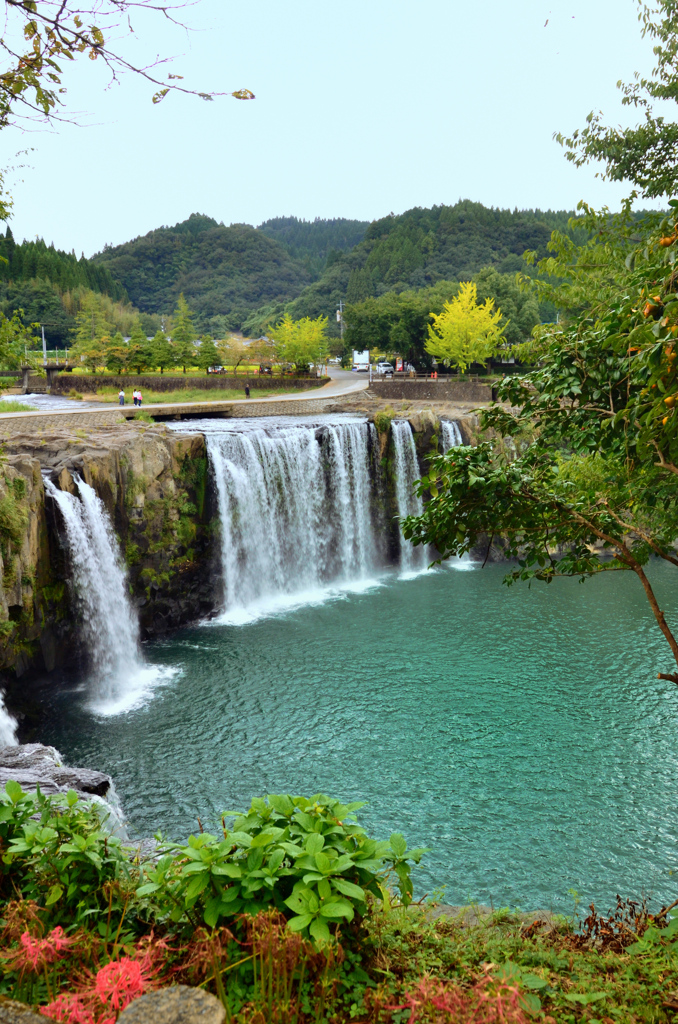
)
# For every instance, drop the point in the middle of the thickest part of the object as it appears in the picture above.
(363, 108)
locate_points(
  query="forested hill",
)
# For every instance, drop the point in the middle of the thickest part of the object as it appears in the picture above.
(224, 272)
(239, 277)
(29, 261)
(422, 246)
(312, 241)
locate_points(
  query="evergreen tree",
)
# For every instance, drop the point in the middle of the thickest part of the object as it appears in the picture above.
(162, 351)
(140, 348)
(183, 334)
(207, 353)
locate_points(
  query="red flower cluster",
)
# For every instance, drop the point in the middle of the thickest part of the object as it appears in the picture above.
(115, 986)
(488, 1002)
(33, 955)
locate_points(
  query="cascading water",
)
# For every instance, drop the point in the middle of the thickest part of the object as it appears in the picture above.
(295, 509)
(412, 559)
(109, 626)
(451, 434)
(7, 727)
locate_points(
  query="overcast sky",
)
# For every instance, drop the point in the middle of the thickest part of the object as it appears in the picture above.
(363, 107)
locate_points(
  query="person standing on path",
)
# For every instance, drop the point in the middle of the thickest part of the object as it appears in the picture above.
(134, 396)
(247, 391)
(121, 397)
(139, 397)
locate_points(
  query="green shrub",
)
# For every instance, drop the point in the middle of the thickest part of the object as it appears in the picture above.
(58, 853)
(13, 520)
(307, 858)
(382, 419)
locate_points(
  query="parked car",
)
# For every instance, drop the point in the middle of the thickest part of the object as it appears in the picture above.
(384, 369)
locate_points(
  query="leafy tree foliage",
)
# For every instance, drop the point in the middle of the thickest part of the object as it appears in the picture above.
(15, 337)
(208, 354)
(465, 331)
(397, 323)
(646, 153)
(301, 342)
(581, 476)
(39, 35)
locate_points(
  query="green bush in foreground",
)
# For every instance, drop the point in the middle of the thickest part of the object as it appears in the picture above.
(306, 858)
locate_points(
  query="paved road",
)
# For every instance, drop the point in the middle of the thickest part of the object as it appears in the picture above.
(72, 413)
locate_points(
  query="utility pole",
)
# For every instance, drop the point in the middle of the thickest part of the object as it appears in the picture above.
(340, 318)
(44, 347)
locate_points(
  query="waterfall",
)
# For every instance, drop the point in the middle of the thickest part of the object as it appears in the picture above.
(451, 434)
(412, 559)
(295, 509)
(109, 625)
(7, 727)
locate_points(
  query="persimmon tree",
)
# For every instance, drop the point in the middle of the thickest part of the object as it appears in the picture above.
(41, 36)
(579, 473)
(466, 331)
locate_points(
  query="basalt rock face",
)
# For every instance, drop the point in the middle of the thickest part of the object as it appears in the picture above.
(155, 485)
(33, 765)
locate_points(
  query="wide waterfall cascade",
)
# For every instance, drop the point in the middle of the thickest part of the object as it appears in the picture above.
(296, 511)
(110, 628)
(406, 465)
(451, 434)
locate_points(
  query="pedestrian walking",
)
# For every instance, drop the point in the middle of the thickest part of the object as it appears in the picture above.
(139, 397)
(121, 397)
(247, 391)
(134, 396)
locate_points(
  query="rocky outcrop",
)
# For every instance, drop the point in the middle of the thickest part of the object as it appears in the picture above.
(154, 483)
(176, 1005)
(33, 765)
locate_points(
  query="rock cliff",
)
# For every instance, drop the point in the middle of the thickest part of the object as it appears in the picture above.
(154, 483)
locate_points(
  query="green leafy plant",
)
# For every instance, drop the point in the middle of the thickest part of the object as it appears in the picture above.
(58, 853)
(307, 858)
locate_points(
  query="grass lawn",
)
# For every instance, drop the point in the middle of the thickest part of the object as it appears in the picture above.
(12, 406)
(190, 395)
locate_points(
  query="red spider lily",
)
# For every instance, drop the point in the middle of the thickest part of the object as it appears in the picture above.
(487, 1002)
(121, 981)
(33, 954)
(69, 1008)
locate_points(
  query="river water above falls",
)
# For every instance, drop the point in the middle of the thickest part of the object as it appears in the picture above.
(520, 734)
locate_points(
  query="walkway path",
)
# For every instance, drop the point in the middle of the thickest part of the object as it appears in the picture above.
(303, 403)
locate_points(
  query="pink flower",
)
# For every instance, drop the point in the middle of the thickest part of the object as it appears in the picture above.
(68, 1008)
(121, 981)
(34, 954)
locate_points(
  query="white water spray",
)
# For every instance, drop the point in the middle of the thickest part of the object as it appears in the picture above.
(7, 727)
(412, 559)
(295, 512)
(110, 629)
(451, 434)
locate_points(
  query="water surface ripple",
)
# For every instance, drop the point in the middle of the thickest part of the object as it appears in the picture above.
(521, 734)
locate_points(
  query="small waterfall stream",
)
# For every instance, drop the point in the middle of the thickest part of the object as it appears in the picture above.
(451, 435)
(412, 559)
(7, 727)
(295, 509)
(110, 628)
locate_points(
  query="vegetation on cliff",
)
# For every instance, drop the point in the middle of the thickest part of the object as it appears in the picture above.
(287, 914)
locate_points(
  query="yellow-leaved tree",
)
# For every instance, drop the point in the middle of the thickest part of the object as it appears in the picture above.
(466, 331)
(300, 341)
